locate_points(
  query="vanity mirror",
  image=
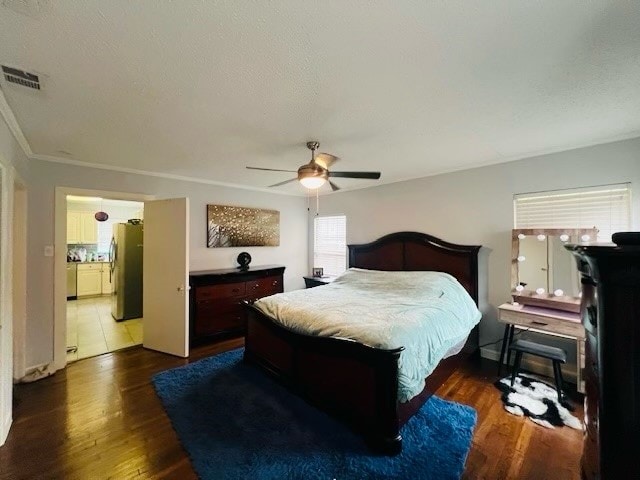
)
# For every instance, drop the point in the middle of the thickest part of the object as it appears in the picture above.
(543, 273)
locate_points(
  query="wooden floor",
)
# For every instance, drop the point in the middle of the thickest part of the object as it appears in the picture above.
(100, 418)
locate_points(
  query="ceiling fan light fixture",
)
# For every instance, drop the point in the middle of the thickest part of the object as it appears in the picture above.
(313, 182)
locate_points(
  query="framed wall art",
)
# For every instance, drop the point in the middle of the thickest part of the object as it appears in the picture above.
(229, 226)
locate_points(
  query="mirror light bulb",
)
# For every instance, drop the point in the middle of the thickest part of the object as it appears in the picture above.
(558, 292)
(585, 238)
(522, 236)
(540, 291)
(541, 237)
(564, 237)
(521, 258)
(519, 288)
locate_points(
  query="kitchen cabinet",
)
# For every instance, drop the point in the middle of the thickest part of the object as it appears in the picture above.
(82, 227)
(73, 227)
(89, 279)
(106, 279)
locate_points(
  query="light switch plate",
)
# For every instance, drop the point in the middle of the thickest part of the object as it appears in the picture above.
(48, 250)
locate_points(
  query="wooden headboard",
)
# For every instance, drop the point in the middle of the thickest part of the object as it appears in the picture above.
(412, 251)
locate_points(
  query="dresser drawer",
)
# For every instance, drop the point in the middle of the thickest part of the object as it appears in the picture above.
(220, 322)
(264, 287)
(215, 306)
(223, 290)
(541, 322)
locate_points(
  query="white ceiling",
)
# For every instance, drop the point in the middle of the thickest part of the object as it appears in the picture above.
(408, 87)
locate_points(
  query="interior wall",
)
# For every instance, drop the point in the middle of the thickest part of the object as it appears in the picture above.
(476, 207)
(45, 176)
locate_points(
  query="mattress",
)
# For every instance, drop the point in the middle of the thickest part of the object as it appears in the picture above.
(428, 313)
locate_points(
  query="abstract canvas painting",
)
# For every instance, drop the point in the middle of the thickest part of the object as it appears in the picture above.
(229, 226)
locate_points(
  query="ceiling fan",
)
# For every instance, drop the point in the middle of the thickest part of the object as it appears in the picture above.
(316, 173)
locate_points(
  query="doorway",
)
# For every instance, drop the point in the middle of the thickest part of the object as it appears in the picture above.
(165, 272)
(104, 289)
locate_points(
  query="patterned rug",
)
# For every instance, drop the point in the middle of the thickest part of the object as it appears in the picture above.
(533, 398)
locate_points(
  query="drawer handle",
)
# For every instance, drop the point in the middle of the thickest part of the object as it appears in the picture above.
(275, 282)
(235, 290)
(542, 324)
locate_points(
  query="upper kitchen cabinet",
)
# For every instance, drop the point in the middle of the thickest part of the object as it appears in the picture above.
(82, 227)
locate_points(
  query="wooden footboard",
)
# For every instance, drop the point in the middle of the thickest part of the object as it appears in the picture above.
(356, 383)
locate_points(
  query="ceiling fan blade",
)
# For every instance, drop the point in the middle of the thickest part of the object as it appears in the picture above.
(367, 175)
(325, 160)
(283, 183)
(334, 187)
(271, 169)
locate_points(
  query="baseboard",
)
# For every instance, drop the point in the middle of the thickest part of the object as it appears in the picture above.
(4, 430)
(37, 372)
(535, 365)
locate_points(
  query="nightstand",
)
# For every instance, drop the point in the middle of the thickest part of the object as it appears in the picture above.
(311, 282)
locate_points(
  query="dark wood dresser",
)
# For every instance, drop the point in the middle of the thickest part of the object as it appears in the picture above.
(215, 297)
(610, 312)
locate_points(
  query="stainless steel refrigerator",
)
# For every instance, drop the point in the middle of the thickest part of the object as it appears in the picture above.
(125, 256)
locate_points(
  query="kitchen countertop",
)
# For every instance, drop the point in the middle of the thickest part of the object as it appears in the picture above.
(94, 261)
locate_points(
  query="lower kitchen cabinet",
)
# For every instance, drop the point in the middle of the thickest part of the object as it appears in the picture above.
(93, 279)
(215, 303)
(89, 279)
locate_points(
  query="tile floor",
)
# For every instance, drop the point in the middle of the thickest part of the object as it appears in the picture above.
(92, 329)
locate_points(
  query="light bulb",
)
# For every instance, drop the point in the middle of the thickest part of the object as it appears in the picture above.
(541, 237)
(522, 236)
(558, 293)
(521, 258)
(519, 288)
(564, 237)
(540, 291)
(312, 182)
(585, 238)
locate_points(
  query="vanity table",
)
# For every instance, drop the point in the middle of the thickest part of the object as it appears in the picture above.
(545, 286)
(547, 321)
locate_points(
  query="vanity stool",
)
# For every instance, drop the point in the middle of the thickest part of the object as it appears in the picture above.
(555, 354)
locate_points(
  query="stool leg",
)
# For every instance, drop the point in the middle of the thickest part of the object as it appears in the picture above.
(505, 341)
(516, 367)
(511, 330)
(557, 373)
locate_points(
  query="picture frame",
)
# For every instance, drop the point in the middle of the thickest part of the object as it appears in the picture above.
(317, 272)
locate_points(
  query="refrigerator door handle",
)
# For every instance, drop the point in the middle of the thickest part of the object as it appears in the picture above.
(112, 258)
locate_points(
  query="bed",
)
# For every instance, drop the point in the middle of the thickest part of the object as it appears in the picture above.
(351, 380)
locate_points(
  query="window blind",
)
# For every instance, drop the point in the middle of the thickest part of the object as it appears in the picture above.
(608, 208)
(329, 244)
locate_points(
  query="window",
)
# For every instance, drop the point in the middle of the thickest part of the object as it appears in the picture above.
(608, 208)
(330, 243)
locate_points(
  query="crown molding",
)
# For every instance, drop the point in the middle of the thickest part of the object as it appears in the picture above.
(135, 171)
(14, 126)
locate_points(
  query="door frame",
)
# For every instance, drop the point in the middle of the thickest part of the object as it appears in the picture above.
(60, 262)
(19, 277)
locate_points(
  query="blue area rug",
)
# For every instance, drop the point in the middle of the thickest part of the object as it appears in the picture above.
(237, 423)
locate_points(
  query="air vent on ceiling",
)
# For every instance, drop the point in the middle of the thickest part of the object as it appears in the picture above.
(20, 77)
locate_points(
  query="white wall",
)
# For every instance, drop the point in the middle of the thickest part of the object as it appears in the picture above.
(45, 176)
(476, 207)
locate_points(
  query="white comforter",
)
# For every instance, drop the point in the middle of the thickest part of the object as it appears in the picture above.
(427, 313)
